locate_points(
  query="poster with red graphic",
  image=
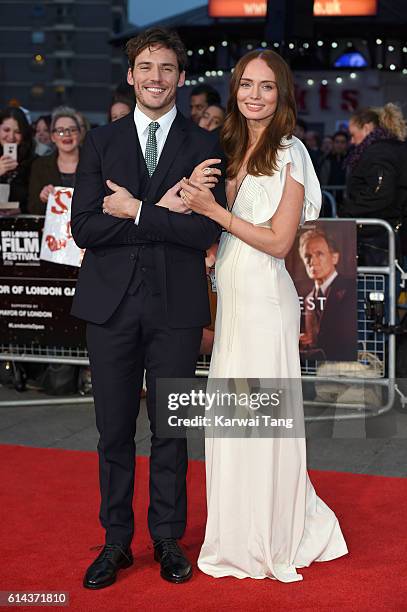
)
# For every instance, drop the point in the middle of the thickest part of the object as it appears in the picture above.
(57, 245)
(35, 295)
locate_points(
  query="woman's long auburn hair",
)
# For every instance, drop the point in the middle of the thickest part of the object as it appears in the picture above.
(235, 133)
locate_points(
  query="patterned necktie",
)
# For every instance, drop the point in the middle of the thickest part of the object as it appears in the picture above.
(151, 147)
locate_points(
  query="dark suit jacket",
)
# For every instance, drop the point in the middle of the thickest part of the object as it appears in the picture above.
(44, 171)
(113, 152)
(337, 336)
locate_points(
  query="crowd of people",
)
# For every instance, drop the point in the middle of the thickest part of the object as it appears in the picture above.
(365, 164)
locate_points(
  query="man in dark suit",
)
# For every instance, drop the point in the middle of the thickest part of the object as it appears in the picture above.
(142, 289)
(331, 306)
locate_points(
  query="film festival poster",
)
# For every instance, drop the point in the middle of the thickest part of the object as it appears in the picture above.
(36, 295)
(323, 266)
(58, 246)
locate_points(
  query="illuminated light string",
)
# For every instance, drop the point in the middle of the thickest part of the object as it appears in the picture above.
(299, 46)
(334, 44)
(309, 81)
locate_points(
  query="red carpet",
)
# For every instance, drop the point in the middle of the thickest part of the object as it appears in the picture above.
(48, 514)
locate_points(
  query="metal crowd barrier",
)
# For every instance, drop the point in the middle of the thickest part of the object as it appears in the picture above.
(370, 280)
(376, 345)
(372, 345)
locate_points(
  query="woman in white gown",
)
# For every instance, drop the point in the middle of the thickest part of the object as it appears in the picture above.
(264, 517)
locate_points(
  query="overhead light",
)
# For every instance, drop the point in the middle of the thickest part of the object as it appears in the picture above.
(334, 44)
(320, 43)
(378, 41)
(324, 82)
(339, 80)
(310, 82)
(353, 75)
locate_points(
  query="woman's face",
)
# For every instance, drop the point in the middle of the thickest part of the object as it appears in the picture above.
(358, 134)
(118, 110)
(66, 135)
(212, 118)
(257, 95)
(10, 132)
(42, 133)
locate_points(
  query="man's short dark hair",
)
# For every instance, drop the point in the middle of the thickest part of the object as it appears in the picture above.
(341, 133)
(301, 123)
(153, 37)
(212, 95)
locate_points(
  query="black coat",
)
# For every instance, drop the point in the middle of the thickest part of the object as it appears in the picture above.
(337, 335)
(113, 152)
(377, 185)
(44, 171)
(19, 179)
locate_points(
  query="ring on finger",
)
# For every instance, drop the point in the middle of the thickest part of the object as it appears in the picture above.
(207, 171)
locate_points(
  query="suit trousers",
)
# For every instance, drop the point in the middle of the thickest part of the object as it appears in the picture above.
(134, 338)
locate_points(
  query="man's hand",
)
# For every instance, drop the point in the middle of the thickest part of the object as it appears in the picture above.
(172, 200)
(121, 203)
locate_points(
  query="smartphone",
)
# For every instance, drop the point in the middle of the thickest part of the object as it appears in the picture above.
(10, 149)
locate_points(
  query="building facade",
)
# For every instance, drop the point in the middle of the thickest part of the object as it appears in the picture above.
(56, 52)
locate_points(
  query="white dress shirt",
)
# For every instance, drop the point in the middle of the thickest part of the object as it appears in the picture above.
(142, 123)
(327, 283)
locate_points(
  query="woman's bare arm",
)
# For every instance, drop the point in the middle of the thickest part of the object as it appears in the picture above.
(276, 240)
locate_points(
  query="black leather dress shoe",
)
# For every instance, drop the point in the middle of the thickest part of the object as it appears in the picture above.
(103, 571)
(175, 567)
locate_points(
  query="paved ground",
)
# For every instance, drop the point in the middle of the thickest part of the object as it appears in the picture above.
(373, 446)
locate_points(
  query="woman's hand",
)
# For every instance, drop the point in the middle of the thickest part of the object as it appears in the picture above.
(211, 256)
(45, 192)
(204, 175)
(7, 164)
(172, 200)
(200, 199)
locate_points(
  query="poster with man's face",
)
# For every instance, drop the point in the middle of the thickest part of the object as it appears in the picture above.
(323, 266)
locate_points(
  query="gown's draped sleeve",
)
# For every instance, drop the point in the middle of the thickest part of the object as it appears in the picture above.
(302, 170)
(267, 191)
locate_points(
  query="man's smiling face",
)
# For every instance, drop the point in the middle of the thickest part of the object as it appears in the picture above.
(155, 78)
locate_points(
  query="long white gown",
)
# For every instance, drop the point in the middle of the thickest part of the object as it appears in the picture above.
(264, 516)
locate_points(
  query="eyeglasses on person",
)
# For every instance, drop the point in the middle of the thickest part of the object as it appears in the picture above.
(65, 132)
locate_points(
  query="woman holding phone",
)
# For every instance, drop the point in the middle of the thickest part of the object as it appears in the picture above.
(59, 168)
(17, 152)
